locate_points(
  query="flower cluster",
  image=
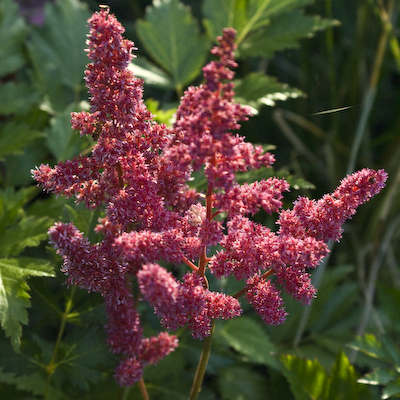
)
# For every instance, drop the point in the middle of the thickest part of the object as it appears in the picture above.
(138, 174)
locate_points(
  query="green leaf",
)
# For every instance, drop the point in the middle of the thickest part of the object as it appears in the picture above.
(265, 173)
(283, 32)
(34, 383)
(344, 384)
(257, 89)
(332, 311)
(57, 52)
(239, 383)
(14, 136)
(150, 73)
(14, 298)
(171, 36)
(249, 339)
(84, 353)
(62, 141)
(161, 116)
(392, 388)
(247, 17)
(85, 220)
(29, 232)
(223, 14)
(308, 379)
(16, 97)
(389, 299)
(12, 34)
(378, 377)
(11, 203)
(372, 347)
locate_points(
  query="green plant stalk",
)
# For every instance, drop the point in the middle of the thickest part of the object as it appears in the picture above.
(51, 367)
(383, 243)
(247, 28)
(201, 367)
(368, 102)
(370, 95)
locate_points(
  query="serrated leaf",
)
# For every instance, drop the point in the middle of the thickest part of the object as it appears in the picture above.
(283, 32)
(34, 383)
(371, 346)
(248, 338)
(222, 14)
(14, 298)
(392, 349)
(84, 354)
(257, 89)
(29, 232)
(239, 383)
(171, 36)
(378, 377)
(16, 97)
(344, 380)
(392, 388)
(14, 136)
(66, 25)
(308, 379)
(11, 203)
(245, 16)
(12, 33)
(150, 73)
(262, 10)
(57, 51)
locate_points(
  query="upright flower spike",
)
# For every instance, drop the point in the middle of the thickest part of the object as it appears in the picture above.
(138, 175)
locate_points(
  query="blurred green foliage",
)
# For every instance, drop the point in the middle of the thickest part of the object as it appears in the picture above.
(338, 97)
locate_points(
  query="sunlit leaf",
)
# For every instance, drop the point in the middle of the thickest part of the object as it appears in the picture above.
(14, 298)
(171, 36)
(256, 89)
(308, 379)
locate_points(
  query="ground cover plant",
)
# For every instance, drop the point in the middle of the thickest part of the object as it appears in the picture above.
(175, 219)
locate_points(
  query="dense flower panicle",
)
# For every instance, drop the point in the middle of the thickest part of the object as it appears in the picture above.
(297, 283)
(248, 246)
(205, 117)
(248, 199)
(138, 174)
(153, 349)
(266, 300)
(186, 302)
(323, 219)
(128, 371)
(81, 259)
(156, 348)
(124, 332)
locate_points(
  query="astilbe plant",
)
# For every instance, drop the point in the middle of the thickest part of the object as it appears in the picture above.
(138, 173)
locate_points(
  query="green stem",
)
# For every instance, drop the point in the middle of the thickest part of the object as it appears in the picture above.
(201, 367)
(51, 367)
(370, 93)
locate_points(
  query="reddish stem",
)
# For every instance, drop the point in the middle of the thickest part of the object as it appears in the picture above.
(190, 264)
(241, 292)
